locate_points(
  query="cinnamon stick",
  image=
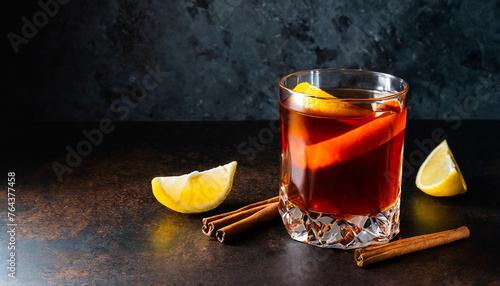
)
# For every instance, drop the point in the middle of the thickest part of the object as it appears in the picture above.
(264, 215)
(210, 227)
(206, 227)
(372, 254)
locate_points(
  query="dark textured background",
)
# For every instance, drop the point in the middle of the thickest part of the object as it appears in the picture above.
(222, 59)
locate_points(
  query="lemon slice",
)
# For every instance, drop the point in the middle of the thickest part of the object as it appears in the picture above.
(439, 175)
(195, 192)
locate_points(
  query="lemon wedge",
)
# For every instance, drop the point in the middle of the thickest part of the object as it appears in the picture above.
(323, 103)
(195, 192)
(439, 175)
(309, 89)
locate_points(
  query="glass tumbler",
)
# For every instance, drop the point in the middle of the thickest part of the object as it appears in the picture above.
(341, 156)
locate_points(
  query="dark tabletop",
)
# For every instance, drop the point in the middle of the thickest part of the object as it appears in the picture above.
(101, 225)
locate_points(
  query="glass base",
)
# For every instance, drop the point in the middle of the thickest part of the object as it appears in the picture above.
(333, 231)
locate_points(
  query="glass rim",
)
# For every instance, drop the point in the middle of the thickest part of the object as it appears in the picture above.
(390, 96)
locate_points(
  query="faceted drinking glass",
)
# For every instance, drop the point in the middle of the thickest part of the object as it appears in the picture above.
(341, 156)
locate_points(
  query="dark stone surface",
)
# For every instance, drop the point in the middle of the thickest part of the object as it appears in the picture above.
(222, 59)
(102, 225)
